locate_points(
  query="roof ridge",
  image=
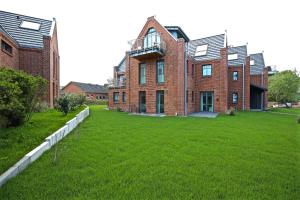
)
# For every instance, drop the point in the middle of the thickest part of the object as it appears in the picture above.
(26, 16)
(208, 37)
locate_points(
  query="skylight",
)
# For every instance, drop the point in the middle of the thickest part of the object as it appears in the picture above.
(201, 50)
(233, 56)
(252, 62)
(30, 25)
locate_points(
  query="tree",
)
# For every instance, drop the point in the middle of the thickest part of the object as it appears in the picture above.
(283, 87)
(19, 93)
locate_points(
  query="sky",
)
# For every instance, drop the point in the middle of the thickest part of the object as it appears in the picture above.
(93, 35)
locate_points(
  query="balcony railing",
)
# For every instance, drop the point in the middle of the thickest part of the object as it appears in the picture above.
(149, 46)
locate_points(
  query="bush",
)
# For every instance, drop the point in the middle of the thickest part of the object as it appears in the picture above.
(230, 112)
(96, 102)
(69, 102)
(298, 120)
(19, 93)
(41, 107)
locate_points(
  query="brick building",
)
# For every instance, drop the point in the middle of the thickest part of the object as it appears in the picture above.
(91, 91)
(30, 44)
(166, 72)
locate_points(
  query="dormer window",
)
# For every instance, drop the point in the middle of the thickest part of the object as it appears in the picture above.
(152, 39)
(30, 25)
(233, 56)
(201, 50)
(252, 62)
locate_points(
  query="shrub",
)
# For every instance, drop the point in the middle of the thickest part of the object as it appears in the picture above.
(298, 120)
(119, 109)
(96, 102)
(230, 112)
(41, 107)
(69, 102)
(19, 93)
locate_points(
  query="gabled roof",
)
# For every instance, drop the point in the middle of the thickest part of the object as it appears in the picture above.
(180, 32)
(215, 43)
(259, 63)
(241, 52)
(29, 38)
(90, 88)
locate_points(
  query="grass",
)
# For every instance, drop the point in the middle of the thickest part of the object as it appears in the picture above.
(15, 142)
(112, 155)
(286, 110)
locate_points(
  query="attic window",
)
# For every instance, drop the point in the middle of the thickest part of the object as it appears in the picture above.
(252, 62)
(233, 56)
(30, 25)
(201, 50)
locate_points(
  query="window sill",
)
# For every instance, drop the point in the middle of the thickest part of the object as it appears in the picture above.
(6, 52)
(207, 76)
(159, 84)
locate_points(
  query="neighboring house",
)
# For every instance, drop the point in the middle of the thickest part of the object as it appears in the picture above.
(91, 91)
(30, 44)
(166, 72)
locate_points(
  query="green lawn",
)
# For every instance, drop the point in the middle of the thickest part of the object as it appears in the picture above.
(286, 110)
(15, 142)
(253, 155)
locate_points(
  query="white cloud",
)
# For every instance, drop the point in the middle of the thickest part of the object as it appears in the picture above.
(93, 35)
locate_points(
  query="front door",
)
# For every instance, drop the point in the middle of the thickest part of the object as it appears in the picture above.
(207, 102)
(160, 101)
(142, 101)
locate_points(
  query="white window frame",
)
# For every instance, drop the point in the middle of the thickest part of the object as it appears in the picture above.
(233, 56)
(30, 25)
(201, 50)
(252, 62)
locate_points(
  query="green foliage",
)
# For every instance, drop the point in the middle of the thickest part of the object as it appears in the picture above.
(19, 93)
(41, 107)
(298, 120)
(69, 102)
(96, 102)
(283, 87)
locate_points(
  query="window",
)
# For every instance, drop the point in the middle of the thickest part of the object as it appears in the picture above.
(124, 97)
(252, 62)
(201, 50)
(142, 73)
(6, 47)
(233, 56)
(116, 97)
(193, 69)
(97, 97)
(160, 71)
(152, 38)
(234, 98)
(30, 25)
(235, 76)
(193, 98)
(206, 70)
(187, 96)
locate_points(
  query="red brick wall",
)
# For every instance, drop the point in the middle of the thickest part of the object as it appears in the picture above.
(174, 76)
(237, 86)
(7, 60)
(72, 88)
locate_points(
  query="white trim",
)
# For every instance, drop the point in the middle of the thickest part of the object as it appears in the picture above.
(52, 27)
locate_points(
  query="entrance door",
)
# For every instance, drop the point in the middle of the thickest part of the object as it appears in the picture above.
(160, 101)
(207, 102)
(142, 101)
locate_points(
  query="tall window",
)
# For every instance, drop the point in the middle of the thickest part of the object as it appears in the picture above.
(235, 76)
(151, 39)
(187, 96)
(206, 70)
(123, 97)
(234, 97)
(193, 69)
(160, 71)
(142, 72)
(6, 47)
(116, 97)
(193, 97)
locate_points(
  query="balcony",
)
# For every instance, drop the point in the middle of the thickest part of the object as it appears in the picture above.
(118, 83)
(151, 46)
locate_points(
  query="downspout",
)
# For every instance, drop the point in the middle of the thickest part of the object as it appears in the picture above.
(129, 107)
(243, 86)
(185, 79)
